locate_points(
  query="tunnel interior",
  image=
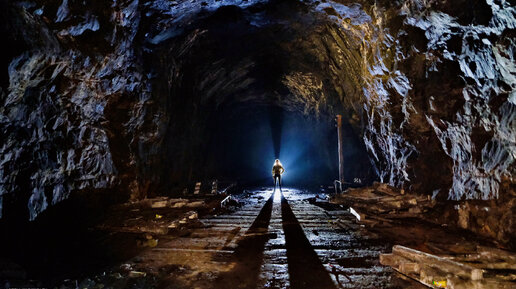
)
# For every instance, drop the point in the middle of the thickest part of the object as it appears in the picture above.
(234, 106)
(244, 141)
(111, 113)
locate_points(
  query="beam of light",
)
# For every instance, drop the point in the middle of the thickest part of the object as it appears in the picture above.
(250, 138)
(266, 134)
(297, 153)
(276, 123)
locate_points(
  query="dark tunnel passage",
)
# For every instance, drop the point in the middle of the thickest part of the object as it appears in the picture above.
(241, 142)
(229, 84)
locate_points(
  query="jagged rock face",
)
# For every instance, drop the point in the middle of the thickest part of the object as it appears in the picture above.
(441, 99)
(97, 92)
(75, 95)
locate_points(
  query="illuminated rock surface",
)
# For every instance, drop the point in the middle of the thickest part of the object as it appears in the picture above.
(96, 94)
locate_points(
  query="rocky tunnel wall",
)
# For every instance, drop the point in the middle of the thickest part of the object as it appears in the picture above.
(93, 88)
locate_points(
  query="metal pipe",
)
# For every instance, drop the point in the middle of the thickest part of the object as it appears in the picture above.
(341, 152)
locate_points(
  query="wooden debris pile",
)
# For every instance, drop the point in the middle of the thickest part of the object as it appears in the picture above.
(382, 202)
(165, 202)
(157, 215)
(485, 268)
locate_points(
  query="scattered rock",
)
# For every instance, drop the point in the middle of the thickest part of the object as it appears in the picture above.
(147, 243)
(126, 267)
(192, 215)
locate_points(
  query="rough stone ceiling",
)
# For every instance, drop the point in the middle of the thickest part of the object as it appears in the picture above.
(256, 55)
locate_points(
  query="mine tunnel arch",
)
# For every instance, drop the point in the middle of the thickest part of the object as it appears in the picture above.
(239, 70)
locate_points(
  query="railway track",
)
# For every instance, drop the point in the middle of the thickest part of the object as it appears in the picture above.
(274, 241)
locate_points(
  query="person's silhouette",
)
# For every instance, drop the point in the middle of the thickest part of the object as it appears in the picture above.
(277, 171)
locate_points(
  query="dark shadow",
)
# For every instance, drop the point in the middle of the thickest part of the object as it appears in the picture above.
(62, 242)
(249, 253)
(304, 266)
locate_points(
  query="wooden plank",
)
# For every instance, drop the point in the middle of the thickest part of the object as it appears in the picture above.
(392, 260)
(409, 268)
(481, 262)
(458, 283)
(358, 215)
(422, 274)
(193, 250)
(429, 275)
(446, 265)
(494, 253)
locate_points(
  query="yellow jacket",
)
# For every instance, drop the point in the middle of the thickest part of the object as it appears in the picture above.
(277, 169)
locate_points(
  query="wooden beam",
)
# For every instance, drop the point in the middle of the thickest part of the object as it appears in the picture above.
(392, 260)
(357, 215)
(442, 264)
(409, 268)
(494, 253)
(458, 283)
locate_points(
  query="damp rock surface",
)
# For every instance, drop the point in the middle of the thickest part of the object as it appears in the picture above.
(97, 93)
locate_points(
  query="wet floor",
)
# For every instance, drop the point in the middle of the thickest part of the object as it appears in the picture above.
(276, 240)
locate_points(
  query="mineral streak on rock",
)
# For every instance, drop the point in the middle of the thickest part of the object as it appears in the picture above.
(94, 89)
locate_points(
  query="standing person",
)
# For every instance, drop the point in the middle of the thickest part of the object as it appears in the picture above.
(277, 171)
